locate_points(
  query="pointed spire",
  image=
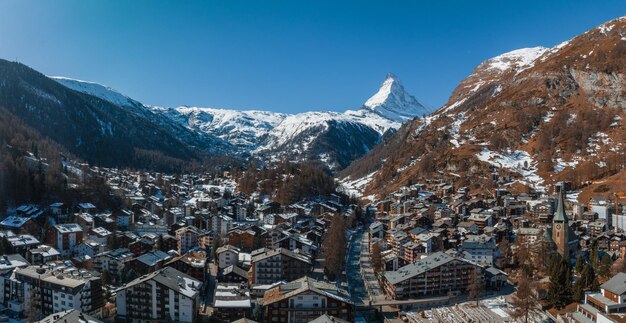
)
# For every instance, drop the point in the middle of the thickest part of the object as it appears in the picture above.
(560, 209)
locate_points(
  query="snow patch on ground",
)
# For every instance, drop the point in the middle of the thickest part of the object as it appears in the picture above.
(519, 60)
(453, 106)
(517, 161)
(454, 130)
(604, 29)
(561, 165)
(496, 91)
(355, 187)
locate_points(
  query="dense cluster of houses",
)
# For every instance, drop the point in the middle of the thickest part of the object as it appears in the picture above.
(151, 260)
(155, 258)
(434, 239)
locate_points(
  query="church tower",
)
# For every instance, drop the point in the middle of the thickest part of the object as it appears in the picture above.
(560, 227)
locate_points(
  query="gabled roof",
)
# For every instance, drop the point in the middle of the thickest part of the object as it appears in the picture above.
(304, 284)
(69, 316)
(172, 279)
(285, 252)
(616, 285)
(328, 319)
(235, 270)
(151, 258)
(421, 266)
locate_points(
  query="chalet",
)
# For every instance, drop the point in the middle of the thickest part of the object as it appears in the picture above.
(193, 264)
(113, 261)
(149, 262)
(306, 299)
(233, 274)
(21, 225)
(19, 243)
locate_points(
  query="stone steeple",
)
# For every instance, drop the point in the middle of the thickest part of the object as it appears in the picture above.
(560, 227)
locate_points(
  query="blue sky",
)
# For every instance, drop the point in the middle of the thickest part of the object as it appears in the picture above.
(287, 56)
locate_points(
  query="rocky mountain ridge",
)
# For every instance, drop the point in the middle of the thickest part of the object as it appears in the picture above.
(537, 115)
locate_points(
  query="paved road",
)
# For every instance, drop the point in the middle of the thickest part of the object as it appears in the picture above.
(356, 285)
(367, 272)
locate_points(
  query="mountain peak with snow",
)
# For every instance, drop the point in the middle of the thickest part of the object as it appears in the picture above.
(393, 102)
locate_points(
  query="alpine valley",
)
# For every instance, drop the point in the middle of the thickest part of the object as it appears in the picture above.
(525, 119)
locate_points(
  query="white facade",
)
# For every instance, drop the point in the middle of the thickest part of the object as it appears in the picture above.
(228, 258)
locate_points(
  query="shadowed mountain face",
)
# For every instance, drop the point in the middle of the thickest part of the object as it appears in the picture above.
(92, 128)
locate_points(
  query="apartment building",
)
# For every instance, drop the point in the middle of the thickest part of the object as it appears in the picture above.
(436, 274)
(65, 237)
(52, 290)
(609, 305)
(306, 299)
(164, 295)
(273, 265)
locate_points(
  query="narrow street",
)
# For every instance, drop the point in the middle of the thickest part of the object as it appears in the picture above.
(367, 272)
(356, 284)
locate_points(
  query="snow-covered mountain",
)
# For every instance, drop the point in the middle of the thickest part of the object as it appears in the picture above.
(332, 137)
(522, 120)
(394, 103)
(244, 129)
(338, 138)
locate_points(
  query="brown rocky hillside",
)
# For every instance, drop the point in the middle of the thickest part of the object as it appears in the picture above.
(539, 115)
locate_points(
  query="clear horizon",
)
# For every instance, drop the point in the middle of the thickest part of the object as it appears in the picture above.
(280, 56)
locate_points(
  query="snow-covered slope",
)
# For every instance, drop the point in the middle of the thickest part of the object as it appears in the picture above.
(535, 116)
(333, 137)
(338, 138)
(242, 128)
(97, 90)
(519, 59)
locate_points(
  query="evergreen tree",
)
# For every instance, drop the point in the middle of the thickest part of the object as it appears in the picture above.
(105, 277)
(587, 276)
(593, 253)
(560, 287)
(505, 251)
(214, 245)
(578, 291)
(580, 264)
(605, 265)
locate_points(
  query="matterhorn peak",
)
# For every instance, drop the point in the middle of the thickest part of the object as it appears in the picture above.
(394, 103)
